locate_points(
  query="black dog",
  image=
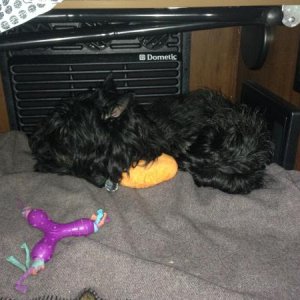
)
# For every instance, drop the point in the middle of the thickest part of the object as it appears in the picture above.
(101, 134)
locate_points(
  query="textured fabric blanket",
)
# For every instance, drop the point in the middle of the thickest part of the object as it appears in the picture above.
(171, 241)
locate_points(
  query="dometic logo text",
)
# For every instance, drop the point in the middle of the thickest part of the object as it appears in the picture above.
(153, 57)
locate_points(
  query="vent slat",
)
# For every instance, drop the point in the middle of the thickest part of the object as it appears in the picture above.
(49, 69)
(35, 78)
(61, 85)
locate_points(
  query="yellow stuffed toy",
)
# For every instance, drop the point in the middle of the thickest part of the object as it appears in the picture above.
(146, 175)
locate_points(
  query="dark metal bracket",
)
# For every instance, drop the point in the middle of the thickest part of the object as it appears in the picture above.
(142, 22)
(255, 42)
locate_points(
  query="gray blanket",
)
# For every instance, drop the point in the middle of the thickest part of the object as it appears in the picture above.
(171, 241)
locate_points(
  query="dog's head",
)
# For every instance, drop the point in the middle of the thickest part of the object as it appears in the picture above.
(87, 136)
(109, 101)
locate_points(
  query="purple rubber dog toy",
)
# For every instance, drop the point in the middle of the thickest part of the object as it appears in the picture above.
(44, 249)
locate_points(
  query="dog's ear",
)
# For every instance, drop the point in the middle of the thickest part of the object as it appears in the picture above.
(110, 92)
(109, 85)
(122, 105)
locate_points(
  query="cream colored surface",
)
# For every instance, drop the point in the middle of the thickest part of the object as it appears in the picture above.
(165, 3)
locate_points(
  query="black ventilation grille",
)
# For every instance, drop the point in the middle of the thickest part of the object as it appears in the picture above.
(39, 83)
(37, 79)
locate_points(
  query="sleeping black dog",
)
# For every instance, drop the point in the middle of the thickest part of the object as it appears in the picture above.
(102, 133)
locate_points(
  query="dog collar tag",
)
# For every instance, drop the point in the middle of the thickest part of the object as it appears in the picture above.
(111, 186)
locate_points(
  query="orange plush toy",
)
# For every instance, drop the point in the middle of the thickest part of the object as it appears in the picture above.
(146, 175)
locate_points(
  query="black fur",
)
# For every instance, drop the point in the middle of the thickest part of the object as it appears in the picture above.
(101, 134)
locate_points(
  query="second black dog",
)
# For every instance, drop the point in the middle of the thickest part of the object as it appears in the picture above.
(101, 134)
